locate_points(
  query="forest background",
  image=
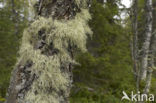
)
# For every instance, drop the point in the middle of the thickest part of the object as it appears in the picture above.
(106, 69)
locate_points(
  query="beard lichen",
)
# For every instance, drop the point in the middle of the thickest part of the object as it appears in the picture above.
(51, 84)
(81, 3)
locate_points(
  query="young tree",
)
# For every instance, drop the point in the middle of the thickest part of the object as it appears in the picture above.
(152, 53)
(146, 43)
(135, 42)
(43, 73)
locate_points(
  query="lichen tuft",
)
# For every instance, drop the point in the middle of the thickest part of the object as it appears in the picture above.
(50, 79)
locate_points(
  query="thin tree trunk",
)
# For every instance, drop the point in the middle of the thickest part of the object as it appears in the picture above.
(146, 44)
(15, 17)
(43, 73)
(135, 37)
(135, 42)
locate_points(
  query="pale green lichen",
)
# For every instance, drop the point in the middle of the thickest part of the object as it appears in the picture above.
(81, 3)
(47, 69)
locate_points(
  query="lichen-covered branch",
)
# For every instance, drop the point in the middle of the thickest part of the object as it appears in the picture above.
(43, 73)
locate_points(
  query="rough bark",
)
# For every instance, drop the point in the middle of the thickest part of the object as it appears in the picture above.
(148, 81)
(152, 54)
(146, 43)
(151, 64)
(43, 73)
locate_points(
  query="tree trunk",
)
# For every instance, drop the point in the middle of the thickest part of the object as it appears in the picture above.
(146, 44)
(148, 81)
(152, 53)
(135, 42)
(135, 37)
(15, 17)
(43, 73)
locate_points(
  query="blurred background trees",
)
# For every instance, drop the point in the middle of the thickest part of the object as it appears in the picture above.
(13, 20)
(104, 71)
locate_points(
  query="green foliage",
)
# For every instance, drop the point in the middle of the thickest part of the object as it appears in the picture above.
(7, 51)
(2, 99)
(9, 42)
(107, 69)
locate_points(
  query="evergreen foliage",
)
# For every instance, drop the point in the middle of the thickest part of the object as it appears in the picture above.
(106, 70)
(9, 41)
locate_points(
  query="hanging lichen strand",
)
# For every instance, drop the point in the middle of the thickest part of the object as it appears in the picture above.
(46, 58)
